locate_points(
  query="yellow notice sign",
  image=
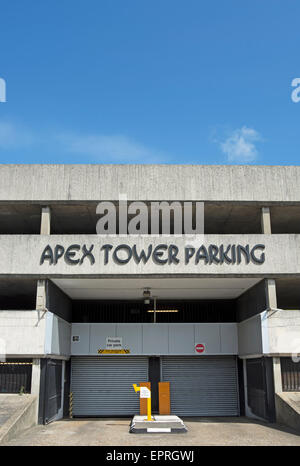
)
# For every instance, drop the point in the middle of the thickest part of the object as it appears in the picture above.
(113, 351)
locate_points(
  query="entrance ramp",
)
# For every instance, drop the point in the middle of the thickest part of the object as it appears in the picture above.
(288, 409)
(159, 425)
(17, 413)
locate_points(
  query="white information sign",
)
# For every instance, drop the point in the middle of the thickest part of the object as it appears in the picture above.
(144, 392)
(114, 343)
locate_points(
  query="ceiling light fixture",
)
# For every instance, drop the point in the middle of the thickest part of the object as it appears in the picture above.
(163, 310)
(146, 295)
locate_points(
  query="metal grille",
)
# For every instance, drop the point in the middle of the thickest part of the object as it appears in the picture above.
(102, 386)
(189, 311)
(202, 386)
(256, 387)
(53, 389)
(15, 376)
(290, 375)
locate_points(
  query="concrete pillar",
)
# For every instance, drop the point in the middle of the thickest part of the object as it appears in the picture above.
(41, 284)
(277, 375)
(266, 221)
(272, 303)
(35, 383)
(248, 412)
(40, 305)
(41, 295)
(46, 221)
(271, 293)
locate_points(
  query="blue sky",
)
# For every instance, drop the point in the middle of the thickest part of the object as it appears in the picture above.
(137, 81)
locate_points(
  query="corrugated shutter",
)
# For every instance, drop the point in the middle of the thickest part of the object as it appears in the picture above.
(102, 386)
(202, 386)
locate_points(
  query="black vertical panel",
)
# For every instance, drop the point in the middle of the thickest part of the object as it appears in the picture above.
(270, 392)
(42, 397)
(251, 302)
(256, 392)
(50, 390)
(137, 311)
(154, 378)
(260, 387)
(240, 367)
(53, 389)
(67, 387)
(58, 302)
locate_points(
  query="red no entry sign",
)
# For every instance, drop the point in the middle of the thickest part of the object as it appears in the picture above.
(199, 348)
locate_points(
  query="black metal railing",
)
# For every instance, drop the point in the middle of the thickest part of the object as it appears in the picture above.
(15, 376)
(290, 372)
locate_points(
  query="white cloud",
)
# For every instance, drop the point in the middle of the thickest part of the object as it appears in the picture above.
(240, 145)
(95, 147)
(13, 136)
(109, 148)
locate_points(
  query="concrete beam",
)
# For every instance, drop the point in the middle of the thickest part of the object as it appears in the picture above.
(41, 295)
(35, 384)
(271, 293)
(277, 375)
(282, 256)
(243, 183)
(46, 221)
(266, 221)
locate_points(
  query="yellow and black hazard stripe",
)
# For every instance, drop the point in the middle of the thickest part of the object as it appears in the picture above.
(15, 363)
(71, 405)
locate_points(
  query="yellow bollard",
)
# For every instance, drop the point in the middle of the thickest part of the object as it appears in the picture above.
(149, 418)
(138, 389)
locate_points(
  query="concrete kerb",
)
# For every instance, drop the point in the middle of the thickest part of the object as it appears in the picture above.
(288, 409)
(20, 420)
(160, 424)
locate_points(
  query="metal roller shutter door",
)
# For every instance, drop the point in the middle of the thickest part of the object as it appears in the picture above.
(202, 386)
(102, 386)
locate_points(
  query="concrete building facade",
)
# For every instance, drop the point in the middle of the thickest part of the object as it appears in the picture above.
(215, 312)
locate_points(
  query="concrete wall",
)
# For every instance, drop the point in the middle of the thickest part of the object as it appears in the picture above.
(252, 302)
(270, 333)
(22, 254)
(288, 293)
(22, 333)
(160, 339)
(58, 302)
(33, 334)
(281, 332)
(21, 412)
(37, 334)
(149, 182)
(250, 337)
(288, 409)
(58, 336)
